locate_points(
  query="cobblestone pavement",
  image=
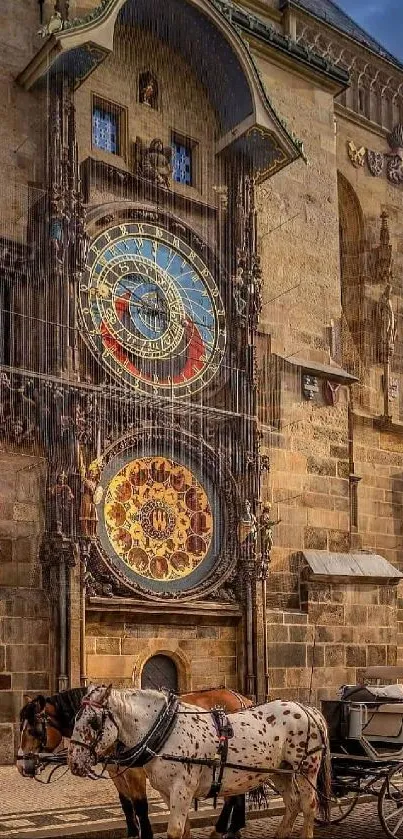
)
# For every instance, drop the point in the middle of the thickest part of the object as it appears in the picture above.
(91, 810)
(61, 808)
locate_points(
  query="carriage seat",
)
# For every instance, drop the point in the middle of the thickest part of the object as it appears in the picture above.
(384, 721)
(372, 694)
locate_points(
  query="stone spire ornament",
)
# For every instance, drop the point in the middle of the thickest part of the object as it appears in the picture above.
(55, 25)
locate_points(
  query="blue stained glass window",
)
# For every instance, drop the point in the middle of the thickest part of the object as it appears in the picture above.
(181, 163)
(105, 129)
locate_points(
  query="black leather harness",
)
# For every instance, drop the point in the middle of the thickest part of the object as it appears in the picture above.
(224, 732)
(153, 741)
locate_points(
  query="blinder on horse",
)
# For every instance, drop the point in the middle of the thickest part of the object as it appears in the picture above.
(36, 720)
(97, 724)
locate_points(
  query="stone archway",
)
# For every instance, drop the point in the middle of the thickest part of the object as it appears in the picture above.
(170, 650)
(160, 671)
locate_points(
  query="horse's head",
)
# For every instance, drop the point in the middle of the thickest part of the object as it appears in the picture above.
(39, 732)
(95, 731)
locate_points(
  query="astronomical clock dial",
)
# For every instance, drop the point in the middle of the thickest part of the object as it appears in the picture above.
(158, 521)
(152, 310)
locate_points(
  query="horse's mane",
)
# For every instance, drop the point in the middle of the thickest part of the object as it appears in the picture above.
(66, 705)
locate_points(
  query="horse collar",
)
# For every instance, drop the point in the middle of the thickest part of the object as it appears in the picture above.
(152, 742)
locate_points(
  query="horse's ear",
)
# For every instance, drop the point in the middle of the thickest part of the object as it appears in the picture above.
(26, 699)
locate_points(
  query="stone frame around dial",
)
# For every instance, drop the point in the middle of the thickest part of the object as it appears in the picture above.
(222, 557)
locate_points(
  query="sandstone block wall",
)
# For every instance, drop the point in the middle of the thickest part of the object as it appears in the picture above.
(25, 657)
(205, 651)
(341, 631)
(183, 107)
(22, 128)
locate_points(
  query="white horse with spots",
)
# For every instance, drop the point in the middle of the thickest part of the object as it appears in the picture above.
(275, 736)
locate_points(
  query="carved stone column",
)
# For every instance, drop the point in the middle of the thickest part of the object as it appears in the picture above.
(66, 232)
(246, 303)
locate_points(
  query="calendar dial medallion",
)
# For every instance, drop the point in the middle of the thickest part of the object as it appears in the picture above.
(151, 308)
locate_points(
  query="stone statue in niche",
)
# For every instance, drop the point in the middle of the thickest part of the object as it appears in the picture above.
(155, 162)
(247, 528)
(387, 323)
(148, 90)
(266, 525)
(240, 293)
(62, 506)
(91, 496)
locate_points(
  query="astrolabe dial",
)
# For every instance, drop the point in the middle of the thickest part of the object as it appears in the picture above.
(158, 519)
(151, 309)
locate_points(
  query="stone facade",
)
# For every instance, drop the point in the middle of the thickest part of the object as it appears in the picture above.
(332, 443)
(26, 662)
(206, 653)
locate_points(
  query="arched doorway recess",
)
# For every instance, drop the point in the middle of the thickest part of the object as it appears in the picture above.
(160, 671)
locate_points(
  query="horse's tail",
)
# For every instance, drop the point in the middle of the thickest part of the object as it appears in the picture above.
(324, 781)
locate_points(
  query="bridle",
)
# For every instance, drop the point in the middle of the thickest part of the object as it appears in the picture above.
(38, 730)
(98, 725)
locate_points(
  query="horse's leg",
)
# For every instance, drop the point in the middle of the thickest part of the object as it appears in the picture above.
(136, 785)
(307, 797)
(180, 801)
(231, 819)
(131, 786)
(290, 795)
(238, 815)
(127, 807)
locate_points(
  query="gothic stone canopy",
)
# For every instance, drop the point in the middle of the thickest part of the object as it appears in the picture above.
(205, 38)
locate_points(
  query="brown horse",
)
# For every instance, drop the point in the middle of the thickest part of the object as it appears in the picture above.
(45, 721)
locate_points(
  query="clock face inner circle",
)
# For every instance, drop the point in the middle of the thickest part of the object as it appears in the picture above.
(151, 309)
(151, 318)
(158, 518)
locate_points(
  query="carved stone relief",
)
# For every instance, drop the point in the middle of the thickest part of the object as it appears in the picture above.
(379, 162)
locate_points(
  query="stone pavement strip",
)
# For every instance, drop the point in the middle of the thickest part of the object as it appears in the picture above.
(73, 808)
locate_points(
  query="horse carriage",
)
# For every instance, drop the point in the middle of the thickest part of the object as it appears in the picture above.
(365, 729)
(349, 752)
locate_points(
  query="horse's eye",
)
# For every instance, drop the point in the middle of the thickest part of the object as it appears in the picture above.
(95, 723)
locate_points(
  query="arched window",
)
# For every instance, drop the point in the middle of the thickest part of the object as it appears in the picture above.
(160, 672)
(351, 227)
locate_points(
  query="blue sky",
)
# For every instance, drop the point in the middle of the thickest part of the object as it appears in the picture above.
(383, 19)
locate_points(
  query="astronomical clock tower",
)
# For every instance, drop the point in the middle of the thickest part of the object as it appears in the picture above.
(158, 132)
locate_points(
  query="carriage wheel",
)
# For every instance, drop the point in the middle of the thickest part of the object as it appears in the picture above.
(341, 805)
(390, 803)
